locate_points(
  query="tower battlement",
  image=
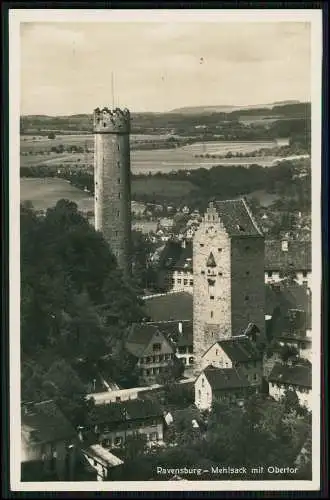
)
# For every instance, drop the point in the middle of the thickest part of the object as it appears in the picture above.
(116, 121)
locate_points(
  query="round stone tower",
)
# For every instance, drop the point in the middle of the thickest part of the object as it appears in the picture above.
(112, 181)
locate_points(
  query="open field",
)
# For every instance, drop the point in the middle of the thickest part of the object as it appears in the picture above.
(143, 162)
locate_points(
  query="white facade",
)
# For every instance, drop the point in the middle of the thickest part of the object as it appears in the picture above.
(182, 281)
(216, 357)
(203, 393)
(277, 391)
(302, 277)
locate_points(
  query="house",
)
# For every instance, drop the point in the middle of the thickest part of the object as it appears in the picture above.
(288, 257)
(48, 443)
(289, 307)
(296, 378)
(113, 423)
(151, 349)
(101, 460)
(239, 352)
(220, 384)
(179, 333)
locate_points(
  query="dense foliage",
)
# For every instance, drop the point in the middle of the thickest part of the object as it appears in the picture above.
(262, 433)
(75, 303)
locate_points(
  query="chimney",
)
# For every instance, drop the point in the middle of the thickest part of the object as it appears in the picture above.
(180, 326)
(285, 245)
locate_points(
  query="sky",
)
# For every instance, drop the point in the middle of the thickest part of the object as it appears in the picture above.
(66, 67)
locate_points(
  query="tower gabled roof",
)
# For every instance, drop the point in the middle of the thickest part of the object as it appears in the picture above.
(237, 218)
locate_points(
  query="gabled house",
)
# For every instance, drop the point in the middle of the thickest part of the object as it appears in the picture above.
(220, 384)
(151, 349)
(296, 378)
(48, 443)
(112, 424)
(180, 334)
(288, 257)
(239, 352)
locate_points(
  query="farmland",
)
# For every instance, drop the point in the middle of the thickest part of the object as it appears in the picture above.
(38, 152)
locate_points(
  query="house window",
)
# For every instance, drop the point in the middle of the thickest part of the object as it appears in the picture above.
(211, 297)
(118, 148)
(219, 249)
(118, 180)
(191, 282)
(156, 347)
(119, 195)
(154, 436)
(179, 281)
(255, 377)
(247, 273)
(304, 274)
(199, 395)
(185, 282)
(202, 272)
(116, 233)
(246, 297)
(211, 314)
(173, 281)
(118, 213)
(270, 274)
(147, 373)
(203, 381)
(118, 441)
(217, 352)
(118, 399)
(220, 274)
(201, 244)
(118, 164)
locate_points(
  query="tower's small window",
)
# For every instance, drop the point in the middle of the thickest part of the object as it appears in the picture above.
(118, 213)
(212, 297)
(95, 198)
(118, 180)
(219, 249)
(247, 273)
(211, 314)
(104, 124)
(220, 274)
(201, 244)
(116, 233)
(246, 297)
(202, 272)
(118, 164)
(119, 195)
(118, 148)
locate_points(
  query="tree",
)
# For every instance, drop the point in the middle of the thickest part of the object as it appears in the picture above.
(134, 447)
(173, 371)
(51, 135)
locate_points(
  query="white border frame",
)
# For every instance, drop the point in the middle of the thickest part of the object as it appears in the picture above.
(17, 16)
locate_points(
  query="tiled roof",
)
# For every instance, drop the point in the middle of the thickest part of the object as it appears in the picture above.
(171, 329)
(139, 337)
(237, 218)
(298, 257)
(185, 261)
(134, 409)
(298, 375)
(44, 423)
(225, 378)
(240, 349)
(172, 306)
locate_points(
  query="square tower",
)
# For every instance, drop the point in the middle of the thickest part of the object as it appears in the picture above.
(228, 256)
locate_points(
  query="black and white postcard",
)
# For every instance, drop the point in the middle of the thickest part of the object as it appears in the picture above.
(165, 249)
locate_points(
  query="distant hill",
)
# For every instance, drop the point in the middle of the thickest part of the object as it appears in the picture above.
(229, 109)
